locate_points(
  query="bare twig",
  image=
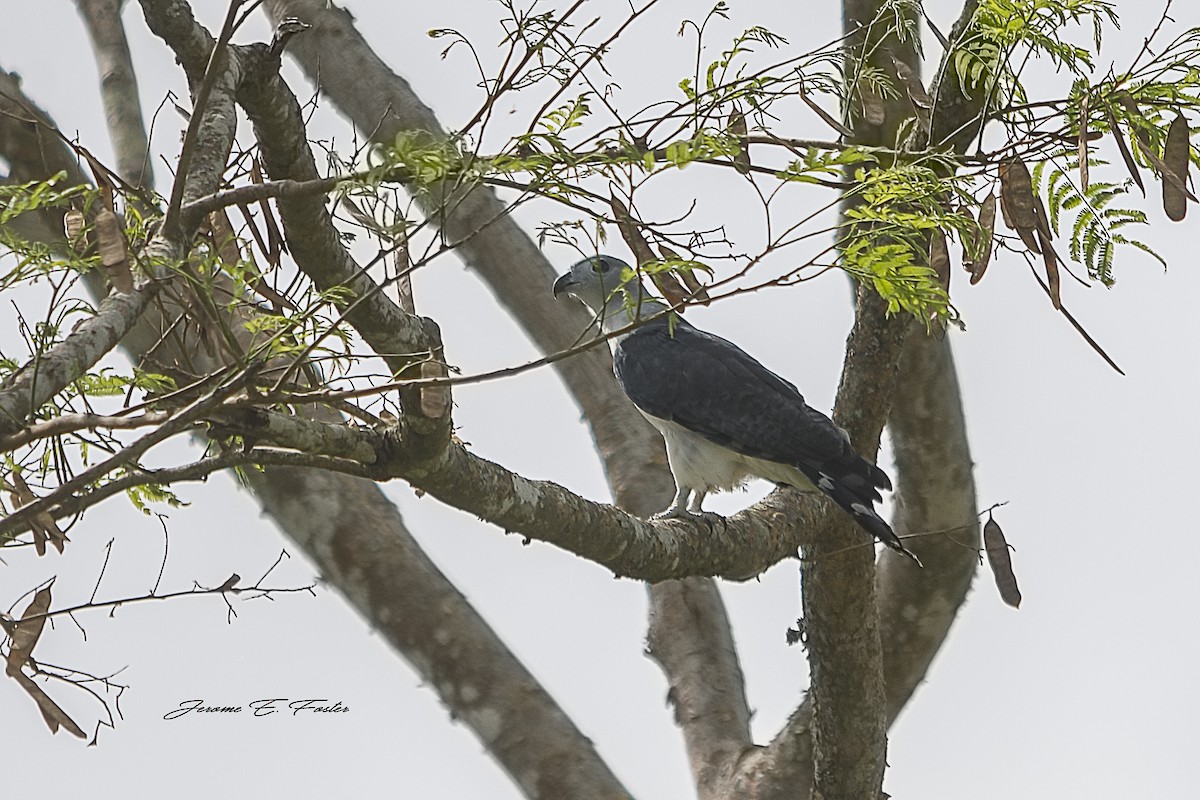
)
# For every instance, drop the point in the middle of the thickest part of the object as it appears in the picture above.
(69, 423)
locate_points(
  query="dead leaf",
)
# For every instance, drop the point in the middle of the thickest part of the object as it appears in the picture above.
(1176, 160)
(27, 630)
(1000, 561)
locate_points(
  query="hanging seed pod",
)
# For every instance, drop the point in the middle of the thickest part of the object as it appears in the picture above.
(1126, 156)
(698, 291)
(939, 259)
(1017, 199)
(1176, 160)
(1049, 257)
(1000, 562)
(982, 247)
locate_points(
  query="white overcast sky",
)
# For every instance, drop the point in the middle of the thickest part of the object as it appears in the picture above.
(1088, 690)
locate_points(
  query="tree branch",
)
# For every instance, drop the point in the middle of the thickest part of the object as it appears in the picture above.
(849, 727)
(370, 556)
(738, 548)
(934, 492)
(706, 683)
(361, 545)
(50, 372)
(118, 89)
(69, 423)
(314, 242)
(382, 104)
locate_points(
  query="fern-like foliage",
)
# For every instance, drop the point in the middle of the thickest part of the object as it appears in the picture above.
(1093, 218)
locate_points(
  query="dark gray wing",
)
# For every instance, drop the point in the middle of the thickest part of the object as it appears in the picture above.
(714, 388)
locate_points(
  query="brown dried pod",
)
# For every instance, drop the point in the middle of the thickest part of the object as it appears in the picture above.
(1053, 278)
(1016, 195)
(1176, 160)
(939, 259)
(1049, 256)
(1083, 143)
(982, 250)
(75, 226)
(922, 103)
(52, 713)
(1000, 562)
(872, 108)
(1126, 156)
(275, 244)
(967, 240)
(42, 526)
(671, 288)
(629, 231)
(697, 290)
(114, 252)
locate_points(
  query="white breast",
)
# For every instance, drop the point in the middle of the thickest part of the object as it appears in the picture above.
(705, 466)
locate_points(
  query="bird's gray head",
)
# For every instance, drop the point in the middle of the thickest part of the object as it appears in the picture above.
(611, 289)
(596, 281)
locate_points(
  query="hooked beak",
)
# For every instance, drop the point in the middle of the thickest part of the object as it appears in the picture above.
(563, 284)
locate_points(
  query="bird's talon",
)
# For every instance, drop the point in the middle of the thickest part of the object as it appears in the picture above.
(710, 518)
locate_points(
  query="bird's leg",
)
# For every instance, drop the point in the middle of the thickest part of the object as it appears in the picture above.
(678, 507)
(697, 512)
(681, 508)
